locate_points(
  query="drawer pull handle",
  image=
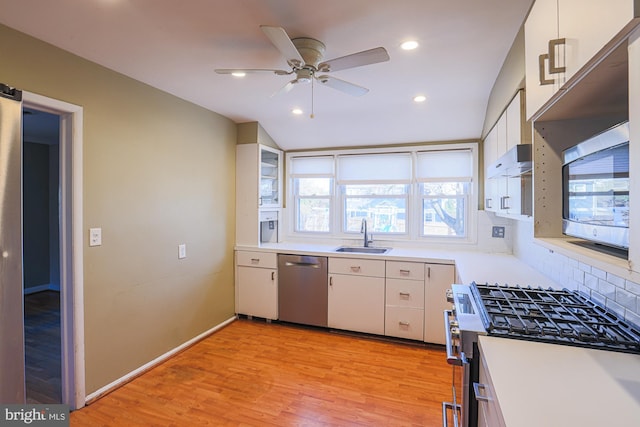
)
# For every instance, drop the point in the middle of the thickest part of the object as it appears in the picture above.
(355, 268)
(405, 272)
(255, 260)
(479, 396)
(402, 323)
(405, 294)
(273, 276)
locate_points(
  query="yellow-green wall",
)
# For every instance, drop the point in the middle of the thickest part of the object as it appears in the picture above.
(158, 171)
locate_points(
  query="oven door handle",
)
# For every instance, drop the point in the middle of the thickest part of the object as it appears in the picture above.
(451, 359)
(446, 407)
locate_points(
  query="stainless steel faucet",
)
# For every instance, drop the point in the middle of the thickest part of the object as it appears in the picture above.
(363, 229)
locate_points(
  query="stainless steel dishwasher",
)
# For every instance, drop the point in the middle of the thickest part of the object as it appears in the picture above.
(302, 289)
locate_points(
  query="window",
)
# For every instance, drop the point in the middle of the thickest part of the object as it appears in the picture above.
(424, 192)
(312, 179)
(384, 206)
(445, 188)
(375, 187)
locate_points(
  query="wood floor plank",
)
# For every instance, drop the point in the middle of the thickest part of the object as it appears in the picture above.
(253, 373)
(42, 347)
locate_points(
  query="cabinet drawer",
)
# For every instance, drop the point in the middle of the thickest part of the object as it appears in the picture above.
(405, 270)
(405, 293)
(257, 259)
(404, 322)
(357, 267)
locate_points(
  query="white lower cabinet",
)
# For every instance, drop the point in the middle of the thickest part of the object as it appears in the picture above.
(438, 278)
(404, 302)
(489, 413)
(257, 284)
(356, 295)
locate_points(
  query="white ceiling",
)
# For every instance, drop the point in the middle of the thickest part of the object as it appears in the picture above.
(175, 45)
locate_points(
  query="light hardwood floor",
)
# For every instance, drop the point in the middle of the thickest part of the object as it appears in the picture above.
(253, 373)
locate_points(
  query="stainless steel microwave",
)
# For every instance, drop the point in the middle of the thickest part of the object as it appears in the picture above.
(596, 188)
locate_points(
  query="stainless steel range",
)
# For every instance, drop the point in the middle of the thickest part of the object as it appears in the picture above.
(535, 314)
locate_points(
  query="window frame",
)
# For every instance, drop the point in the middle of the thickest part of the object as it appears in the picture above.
(414, 214)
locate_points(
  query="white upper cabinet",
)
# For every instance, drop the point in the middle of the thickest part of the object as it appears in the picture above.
(587, 25)
(562, 36)
(258, 190)
(502, 194)
(540, 27)
(270, 178)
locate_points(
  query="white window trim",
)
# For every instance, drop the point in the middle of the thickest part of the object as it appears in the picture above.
(414, 228)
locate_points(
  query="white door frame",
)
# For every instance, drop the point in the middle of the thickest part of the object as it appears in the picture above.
(71, 245)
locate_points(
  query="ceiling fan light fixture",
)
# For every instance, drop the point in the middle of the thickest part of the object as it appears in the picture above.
(297, 111)
(419, 98)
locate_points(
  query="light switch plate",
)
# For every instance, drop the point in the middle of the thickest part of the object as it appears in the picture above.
(182, 251)
(95, 236)
(497, 231)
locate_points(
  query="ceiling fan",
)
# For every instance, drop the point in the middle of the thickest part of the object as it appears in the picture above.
(305, 57)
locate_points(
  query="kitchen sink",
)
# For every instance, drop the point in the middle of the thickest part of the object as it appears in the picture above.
(363, 249)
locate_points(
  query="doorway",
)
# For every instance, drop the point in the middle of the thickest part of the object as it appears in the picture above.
(65, 268)
(41, 255)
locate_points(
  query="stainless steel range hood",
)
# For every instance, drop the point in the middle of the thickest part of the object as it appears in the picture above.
(515, 162)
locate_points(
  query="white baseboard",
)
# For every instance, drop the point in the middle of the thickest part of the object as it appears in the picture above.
(147, 366)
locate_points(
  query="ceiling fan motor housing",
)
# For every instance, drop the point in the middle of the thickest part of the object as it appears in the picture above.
(311, 50)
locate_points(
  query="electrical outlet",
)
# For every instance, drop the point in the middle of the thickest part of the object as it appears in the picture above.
(95, 236)
(497, 231)
(182, 251)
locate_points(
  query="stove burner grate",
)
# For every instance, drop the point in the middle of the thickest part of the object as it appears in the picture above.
(555, 316)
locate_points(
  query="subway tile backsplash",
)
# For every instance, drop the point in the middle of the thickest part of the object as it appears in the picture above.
(614, 292)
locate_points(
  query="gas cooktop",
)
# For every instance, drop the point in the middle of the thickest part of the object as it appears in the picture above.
(554, 316)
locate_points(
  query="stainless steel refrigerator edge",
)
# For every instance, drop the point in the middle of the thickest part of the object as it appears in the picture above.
(12, 381)
(302, 289)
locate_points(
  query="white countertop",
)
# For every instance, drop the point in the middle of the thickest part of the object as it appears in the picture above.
(539, 384)
(470, 266)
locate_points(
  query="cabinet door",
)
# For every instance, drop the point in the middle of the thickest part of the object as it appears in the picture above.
(514, 195)
(540, 27)
(438, 278)
(270, 185)
(257, 292)
(514, 122)
(356, 303)
(491, 202)
(489, 412)
(501, 183)
(587, 25)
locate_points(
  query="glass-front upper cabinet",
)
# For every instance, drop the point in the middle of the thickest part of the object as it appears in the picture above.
(270, 177)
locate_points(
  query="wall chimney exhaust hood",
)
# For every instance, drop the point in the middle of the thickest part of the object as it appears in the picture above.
(515, 162)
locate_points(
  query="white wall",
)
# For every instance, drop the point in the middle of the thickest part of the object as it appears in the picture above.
(616, 293)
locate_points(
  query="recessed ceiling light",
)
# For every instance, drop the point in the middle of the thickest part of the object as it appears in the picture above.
(238, 74)
(297, 111)
(409, 45)
(419, 98)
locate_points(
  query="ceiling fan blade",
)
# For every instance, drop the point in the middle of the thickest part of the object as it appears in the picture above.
(283, 43)
(284, 89)
(251, 70)
(343, 86)
(366, 57)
